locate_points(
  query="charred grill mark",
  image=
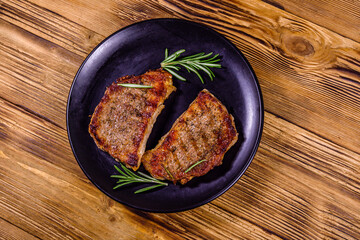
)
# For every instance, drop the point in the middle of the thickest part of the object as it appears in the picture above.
(97, 137)
(156, 159)
(137, 140)
(232, 131)
(205, 128)
(174, 139)
(123, 79)
(169, 139)
(182, 150)
(159, 90)
(132, 159)
(192, 142)
(151, 103)
(194, 132)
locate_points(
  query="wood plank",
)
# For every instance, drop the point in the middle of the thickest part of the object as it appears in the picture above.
(118, 13)
(50, 26)
(328, 14)
(36, 74)
(35, 135)
(284, 194)
(11, 232)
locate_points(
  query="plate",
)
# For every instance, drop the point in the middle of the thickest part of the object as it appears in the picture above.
(134, 50)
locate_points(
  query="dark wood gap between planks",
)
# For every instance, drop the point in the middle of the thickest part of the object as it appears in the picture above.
(32, 112)
(19, 227)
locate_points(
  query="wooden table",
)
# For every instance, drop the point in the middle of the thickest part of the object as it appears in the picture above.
(304, 182)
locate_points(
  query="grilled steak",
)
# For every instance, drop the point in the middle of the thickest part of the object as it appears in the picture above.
(205, 131)
(122, 122)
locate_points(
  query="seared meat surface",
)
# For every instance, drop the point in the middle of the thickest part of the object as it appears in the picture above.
(122, 122)
(205, 131)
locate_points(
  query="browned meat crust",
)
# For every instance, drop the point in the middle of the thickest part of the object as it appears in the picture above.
(204, 131)
(122, 122)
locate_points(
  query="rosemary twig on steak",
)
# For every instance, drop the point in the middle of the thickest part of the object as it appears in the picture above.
(133, 85)
(194, 165)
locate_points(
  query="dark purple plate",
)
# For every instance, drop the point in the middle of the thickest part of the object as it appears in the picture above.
(132, 51)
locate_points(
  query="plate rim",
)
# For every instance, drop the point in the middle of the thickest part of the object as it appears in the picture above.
(259, 128)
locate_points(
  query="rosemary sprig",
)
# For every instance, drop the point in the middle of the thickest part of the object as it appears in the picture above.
(194, 165)
(127, 176)
(133, 85)
(193, 63)
(169, 173)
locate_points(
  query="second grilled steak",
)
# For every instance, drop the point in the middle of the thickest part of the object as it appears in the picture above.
(202, 134)
(122, 122)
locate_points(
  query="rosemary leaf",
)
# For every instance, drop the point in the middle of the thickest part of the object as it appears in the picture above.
(120, 185)
(194, 165)
(118, 176)
(173, 67)
(117, 169)
(168, 172)
(148, 188)
(128, 171)
(149, 177)
(211, 65)
(206, 70)
(173, 56)
(132, 85)
(195, 56)
(175, 74)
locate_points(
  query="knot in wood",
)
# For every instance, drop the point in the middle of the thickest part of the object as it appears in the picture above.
(299, 45)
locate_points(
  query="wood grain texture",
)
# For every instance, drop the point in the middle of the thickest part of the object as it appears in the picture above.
(304, 180)
(36, 73)
(342, 16)
(11, 232)
(50, 26)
